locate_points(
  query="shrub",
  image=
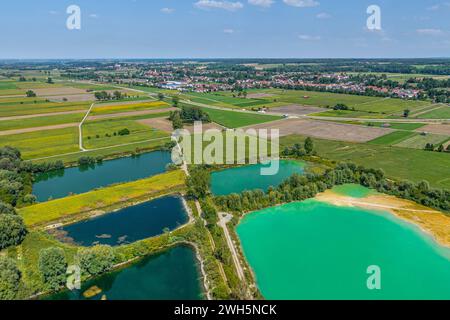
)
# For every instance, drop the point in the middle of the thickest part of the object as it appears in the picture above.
(96, 260)
(53, 267)
(9, 278)
(124, 132)
(12, 230)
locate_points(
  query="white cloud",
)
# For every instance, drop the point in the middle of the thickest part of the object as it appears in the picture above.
(307, 37)
(323, 15)
(302, 3)
(167, 10)
(212, 4)
(430, 32)
(261, 3)
(439, 6)
(228, 31)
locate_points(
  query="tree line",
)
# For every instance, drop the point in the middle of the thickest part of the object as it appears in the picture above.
(302, 187)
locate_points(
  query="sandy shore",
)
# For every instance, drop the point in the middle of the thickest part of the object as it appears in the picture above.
(431, 221)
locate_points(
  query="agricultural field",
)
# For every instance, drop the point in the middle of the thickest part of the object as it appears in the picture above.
(440, 113)
(40, 121)
(53, 210)
(398, 126)
(33, 107)
(127, 107)
(43, 143)
(232, 119)
(398, 163)
(419, 141)
(324, 130)
(393, 138)
(227, 100)
(105, 133)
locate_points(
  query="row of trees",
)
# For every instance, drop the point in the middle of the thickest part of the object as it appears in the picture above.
(439, 148)
(188, 115)
(92, 261)
(298, 188)
(105, 96)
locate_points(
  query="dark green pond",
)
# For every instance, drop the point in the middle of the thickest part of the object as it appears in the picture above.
(59, 184)
(130, 224)
(236, 180)
(173, 275)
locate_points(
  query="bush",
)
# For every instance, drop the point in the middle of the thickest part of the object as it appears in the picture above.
(96, 260)
(53, 267)
(12, 230)
(6, 208)
(124, 132)
(9, 278)
(86, 161)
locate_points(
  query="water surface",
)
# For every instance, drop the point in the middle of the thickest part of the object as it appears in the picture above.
(130, 224)
(314, 250)
(173, 275)
(59, 184)
(236, 180)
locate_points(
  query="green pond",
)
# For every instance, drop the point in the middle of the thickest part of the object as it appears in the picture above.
(61, 183)
(172, 275)
(315, 250)
(236, 180)
(353, 190)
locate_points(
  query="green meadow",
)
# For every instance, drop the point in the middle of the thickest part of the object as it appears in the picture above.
(398, 163)
(393, 138)
(232, 119)
(441, 113)
(419, 141)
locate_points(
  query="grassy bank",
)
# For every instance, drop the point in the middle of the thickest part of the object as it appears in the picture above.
(55, 210)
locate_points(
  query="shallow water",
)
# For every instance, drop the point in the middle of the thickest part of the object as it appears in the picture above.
(314, 250)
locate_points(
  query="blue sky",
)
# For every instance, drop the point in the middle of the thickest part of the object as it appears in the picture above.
(224, 29)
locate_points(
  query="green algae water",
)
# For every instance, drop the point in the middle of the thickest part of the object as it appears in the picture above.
(62, 183)
(243, 178)
(172, 275)
(353, 190)
(314, 250)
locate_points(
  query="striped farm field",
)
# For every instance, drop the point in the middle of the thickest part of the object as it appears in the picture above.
(419, 141)
(99, 134)
(31, 107)
(109, 109)
(440, 113)
(43, 143)
(393, 138)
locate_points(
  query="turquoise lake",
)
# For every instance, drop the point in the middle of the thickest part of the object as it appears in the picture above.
(59, 184)
(236, 180)
(172, 275)
(315, 250)
(130, 224)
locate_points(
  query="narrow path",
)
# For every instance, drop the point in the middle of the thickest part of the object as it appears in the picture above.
(80, 128)
(199, 210)
(224, 218)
